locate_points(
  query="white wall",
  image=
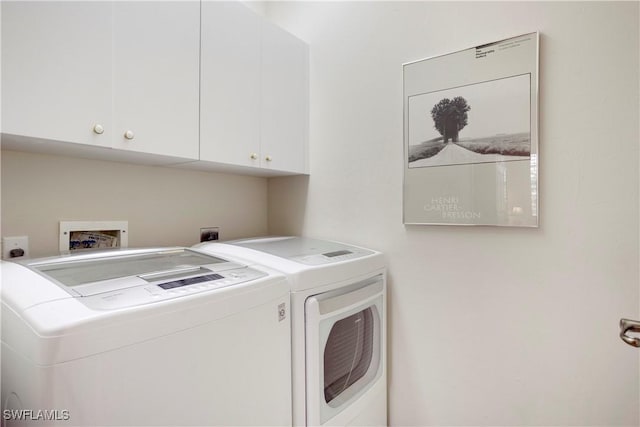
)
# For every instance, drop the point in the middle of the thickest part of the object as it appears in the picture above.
(164, 206)
(258, 6)
(488, 326)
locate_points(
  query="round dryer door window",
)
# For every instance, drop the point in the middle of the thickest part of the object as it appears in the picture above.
(348, 352)
(343, 346)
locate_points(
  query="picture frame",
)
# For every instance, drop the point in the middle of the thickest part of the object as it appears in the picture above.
(471, 136)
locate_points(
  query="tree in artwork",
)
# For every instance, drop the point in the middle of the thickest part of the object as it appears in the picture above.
(450, 117)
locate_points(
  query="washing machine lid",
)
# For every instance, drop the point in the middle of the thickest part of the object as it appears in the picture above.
(305, 250)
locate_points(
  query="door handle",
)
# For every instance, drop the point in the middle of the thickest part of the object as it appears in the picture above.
(627, 325)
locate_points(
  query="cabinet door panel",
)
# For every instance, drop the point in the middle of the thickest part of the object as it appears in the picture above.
(156, 71)
(230, 84)
(56, 70)
(284, 100)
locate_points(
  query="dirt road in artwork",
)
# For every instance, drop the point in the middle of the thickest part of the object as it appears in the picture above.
(453, 154)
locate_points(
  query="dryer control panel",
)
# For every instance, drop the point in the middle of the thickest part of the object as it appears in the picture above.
(330, 257)
(305, 250)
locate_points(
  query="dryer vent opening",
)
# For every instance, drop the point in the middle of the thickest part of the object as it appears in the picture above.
(348, 352)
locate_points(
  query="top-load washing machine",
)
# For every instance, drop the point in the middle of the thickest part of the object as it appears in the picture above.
(338, 305)
(157, 337)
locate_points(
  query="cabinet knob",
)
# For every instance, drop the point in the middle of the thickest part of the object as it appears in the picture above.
(129, 135)
(254, 156)
(268, 158)
(98, 129)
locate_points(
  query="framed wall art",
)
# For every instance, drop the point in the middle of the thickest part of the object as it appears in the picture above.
(471, 136)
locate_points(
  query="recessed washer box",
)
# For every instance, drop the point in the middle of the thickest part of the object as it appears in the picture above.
(83, 235)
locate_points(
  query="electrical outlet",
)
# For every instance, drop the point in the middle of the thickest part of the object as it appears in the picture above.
(15, 247)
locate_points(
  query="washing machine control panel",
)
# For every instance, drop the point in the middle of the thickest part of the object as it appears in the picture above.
(117, 279)
(190, 281)
(160, 290)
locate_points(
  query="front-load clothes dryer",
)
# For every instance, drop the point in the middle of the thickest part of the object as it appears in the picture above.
(156, 337)
(338, 302)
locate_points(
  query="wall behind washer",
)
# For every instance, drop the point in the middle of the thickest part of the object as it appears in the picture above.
(164, 206)
(488, 326)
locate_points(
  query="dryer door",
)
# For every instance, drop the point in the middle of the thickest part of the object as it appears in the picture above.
(344, 344)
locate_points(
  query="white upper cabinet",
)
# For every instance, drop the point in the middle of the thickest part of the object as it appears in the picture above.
(209, 83)
(230, 84)
(284, 103)
(254, 91)
(56, 70)
(116, 74)
(155, 74)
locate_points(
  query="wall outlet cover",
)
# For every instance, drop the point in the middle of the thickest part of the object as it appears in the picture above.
(15, 247)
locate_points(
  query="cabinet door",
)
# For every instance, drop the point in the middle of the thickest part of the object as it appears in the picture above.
(156, 57)
(230, 84)
(56, 70)
(284, 111)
